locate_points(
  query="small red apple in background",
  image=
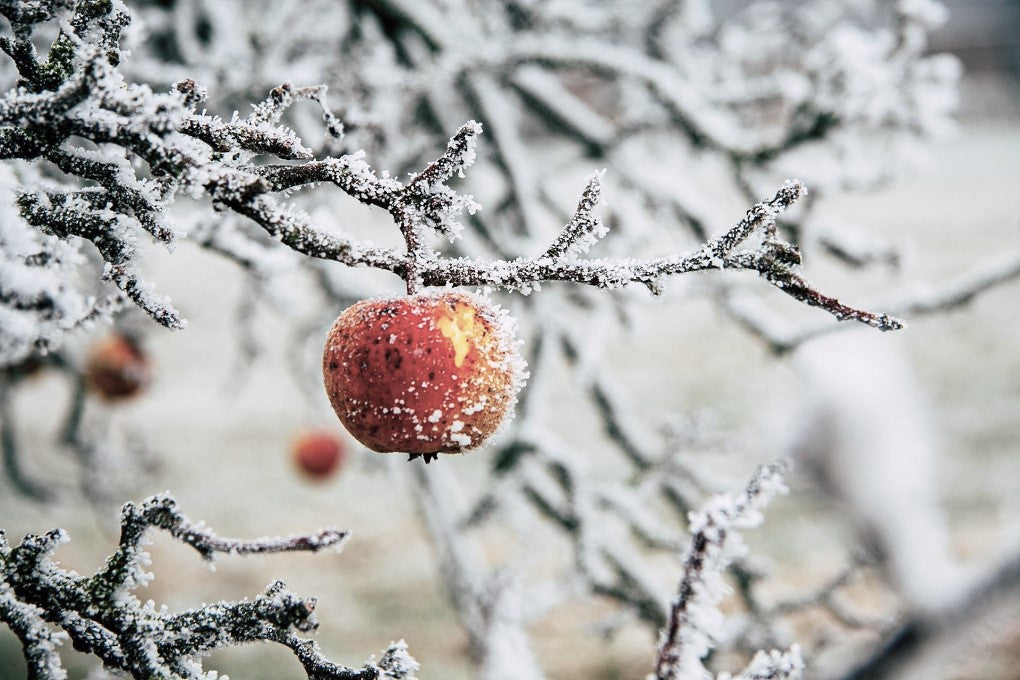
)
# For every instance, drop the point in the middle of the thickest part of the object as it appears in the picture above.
(423, 374)
(117, 368)
(319, 453)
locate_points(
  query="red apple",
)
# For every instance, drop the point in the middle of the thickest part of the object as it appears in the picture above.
(117, 368)
(318, 454)
(425, 374)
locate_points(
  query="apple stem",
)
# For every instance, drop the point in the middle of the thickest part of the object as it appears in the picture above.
(413, 281)
(412, 238)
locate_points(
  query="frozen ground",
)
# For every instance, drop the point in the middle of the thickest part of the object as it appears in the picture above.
(224, 445)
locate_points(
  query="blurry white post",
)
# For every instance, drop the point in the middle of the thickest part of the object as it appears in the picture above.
(866, 432)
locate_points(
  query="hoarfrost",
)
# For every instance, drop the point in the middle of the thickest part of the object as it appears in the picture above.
(99, 612)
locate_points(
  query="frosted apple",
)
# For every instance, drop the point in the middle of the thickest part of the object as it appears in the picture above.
(117, 368)
(423, 374)
(318, 454)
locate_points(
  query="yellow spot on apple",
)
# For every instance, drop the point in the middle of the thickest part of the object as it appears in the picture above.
(459, 327)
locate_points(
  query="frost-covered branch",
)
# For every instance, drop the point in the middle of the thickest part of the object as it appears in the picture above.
(773, 260)
(44, 604)
(610, 525)
(78, 113)
(694, 618)
(918, 300)
(497, 640)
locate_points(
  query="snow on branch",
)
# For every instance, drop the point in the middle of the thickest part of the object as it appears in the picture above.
(100, 616)
(585, 228)
(694, 618)
(137, 150)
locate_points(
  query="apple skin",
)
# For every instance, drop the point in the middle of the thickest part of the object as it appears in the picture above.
(117, 368)
(423, 374)
(318, 454)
